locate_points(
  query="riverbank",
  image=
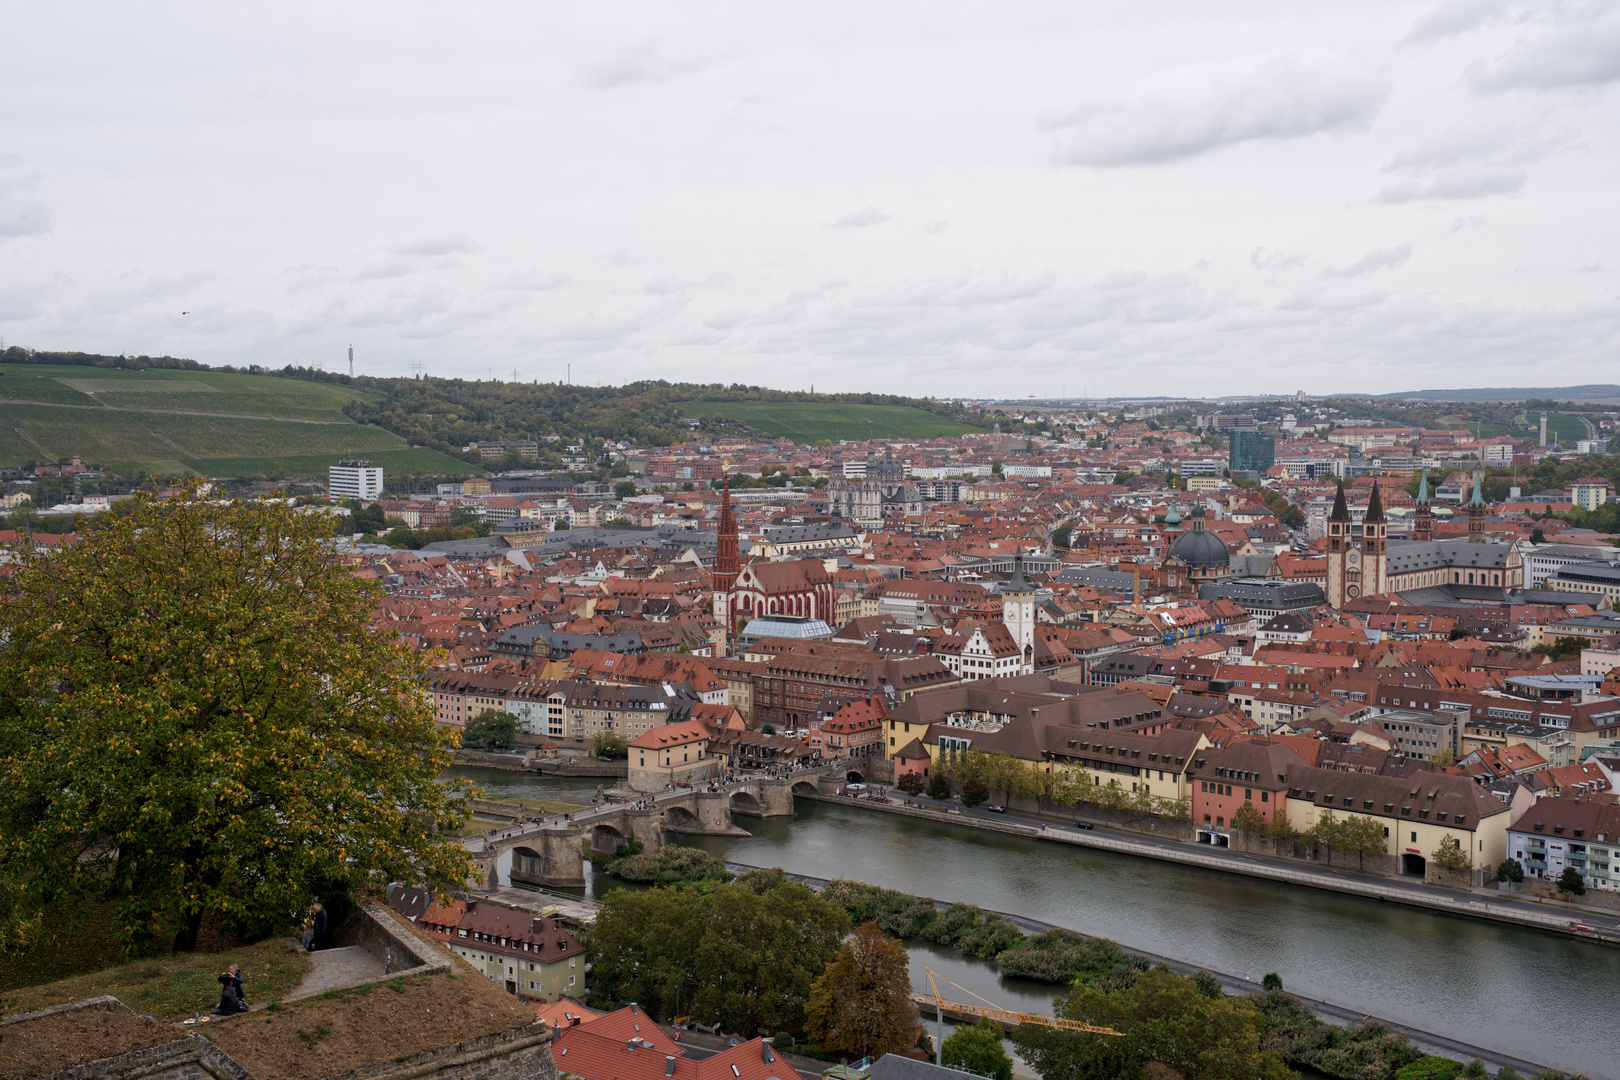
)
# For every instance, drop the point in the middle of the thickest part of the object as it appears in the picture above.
(1236, 985)
(1583, 924)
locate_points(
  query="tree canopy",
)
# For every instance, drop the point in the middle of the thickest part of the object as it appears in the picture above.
(977, 1049)
(491, 726)
(196, 718)
(743, 954)
(861, 1005)
(1162, 1017)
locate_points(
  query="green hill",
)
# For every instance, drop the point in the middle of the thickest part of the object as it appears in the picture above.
(813, 421)
(193, 421)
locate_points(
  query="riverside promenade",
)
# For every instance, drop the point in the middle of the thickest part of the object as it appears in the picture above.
(1585, 924)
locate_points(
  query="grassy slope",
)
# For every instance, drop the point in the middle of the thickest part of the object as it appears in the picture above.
(195, 391)
(268, 442)
(807, 422)
(175, 987)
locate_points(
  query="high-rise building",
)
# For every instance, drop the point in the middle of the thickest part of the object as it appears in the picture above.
(1251, 452)
(355, 480)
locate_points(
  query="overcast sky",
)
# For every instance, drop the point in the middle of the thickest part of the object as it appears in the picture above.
(928, 198)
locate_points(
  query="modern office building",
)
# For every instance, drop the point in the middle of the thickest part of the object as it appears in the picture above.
(1251, 452)
(355, 480)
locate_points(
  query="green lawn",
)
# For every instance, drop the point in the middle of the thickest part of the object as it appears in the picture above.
(195, 391)
(809, 422)
(176, 986)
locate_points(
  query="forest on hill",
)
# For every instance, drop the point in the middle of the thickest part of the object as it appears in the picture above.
(447, 414)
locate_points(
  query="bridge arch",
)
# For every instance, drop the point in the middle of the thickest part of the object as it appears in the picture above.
(528, 867)
(744, 802)
(605, 838)
(854, 777)
(805, 787)
(680, 819)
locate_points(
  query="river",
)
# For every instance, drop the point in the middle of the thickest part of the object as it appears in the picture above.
(1523, 992)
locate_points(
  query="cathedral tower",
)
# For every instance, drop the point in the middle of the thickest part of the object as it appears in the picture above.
(1423, 523)
(1476, 510)
(1343, 560)
(1374, 547)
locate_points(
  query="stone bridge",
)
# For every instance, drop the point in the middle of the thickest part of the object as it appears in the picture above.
(552, 853)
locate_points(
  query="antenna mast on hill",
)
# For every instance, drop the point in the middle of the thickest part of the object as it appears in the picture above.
(351, 361)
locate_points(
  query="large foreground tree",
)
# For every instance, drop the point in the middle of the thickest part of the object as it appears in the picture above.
(196, 718)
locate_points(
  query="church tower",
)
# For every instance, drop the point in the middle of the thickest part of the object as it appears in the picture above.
(1423, 522)
(1018, 613)
(1343, 560)
(1374, 546)
(726, 567)
(1476, 510)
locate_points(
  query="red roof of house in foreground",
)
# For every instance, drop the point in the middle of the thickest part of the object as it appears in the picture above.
(627, 1045)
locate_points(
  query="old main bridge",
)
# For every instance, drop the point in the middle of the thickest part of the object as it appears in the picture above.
(552, 853)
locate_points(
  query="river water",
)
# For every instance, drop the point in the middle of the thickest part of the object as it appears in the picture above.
(1523, 992)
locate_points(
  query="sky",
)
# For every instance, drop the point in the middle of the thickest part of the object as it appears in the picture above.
(948, 199)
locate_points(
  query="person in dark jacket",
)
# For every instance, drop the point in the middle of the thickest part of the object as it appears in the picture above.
(232, 998)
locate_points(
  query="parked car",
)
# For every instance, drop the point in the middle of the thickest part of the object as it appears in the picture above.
(994, 809)
(1084, 825)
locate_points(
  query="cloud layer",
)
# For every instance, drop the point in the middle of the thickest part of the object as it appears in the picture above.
(1195, 111)
(1161, 199)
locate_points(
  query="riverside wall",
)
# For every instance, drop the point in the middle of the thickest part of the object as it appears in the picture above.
(1560, 922)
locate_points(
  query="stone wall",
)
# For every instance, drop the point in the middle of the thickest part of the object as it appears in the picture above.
(373, 929)
(190, 1058)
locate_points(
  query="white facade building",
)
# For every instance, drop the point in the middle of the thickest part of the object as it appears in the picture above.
(355, 479)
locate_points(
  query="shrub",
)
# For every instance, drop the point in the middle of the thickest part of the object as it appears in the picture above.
(1063, 956)
(1429, 1068)
(1272, 981)
(911, 783)
(670, 865)
(939, 787)
(974, 793)
(993, 936)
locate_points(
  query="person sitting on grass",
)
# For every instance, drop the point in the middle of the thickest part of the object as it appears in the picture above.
(232, 998)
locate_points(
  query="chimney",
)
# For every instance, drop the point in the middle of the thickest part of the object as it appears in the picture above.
(669, 1065)
(633, 1010)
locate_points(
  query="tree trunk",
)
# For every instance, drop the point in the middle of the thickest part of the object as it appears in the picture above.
(185, 939)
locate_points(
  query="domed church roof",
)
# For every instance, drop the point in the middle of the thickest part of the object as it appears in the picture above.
(1199, 548)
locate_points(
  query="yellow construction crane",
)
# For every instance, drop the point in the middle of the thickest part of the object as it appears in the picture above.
(993, 1012)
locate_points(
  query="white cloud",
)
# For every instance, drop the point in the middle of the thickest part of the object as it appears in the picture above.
(1271, 259)
(1195, 111)
(864, 218)
(22, 211)
(1382, 259)
(1473, 162)
(1578, 45)
(443, 244)
(642, 62)
(537, 281)
(1453, 18)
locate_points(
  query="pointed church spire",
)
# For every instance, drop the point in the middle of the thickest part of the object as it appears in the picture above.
(1423, 489)
(1479, 489)
(1375, 506)
(1341, 512)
